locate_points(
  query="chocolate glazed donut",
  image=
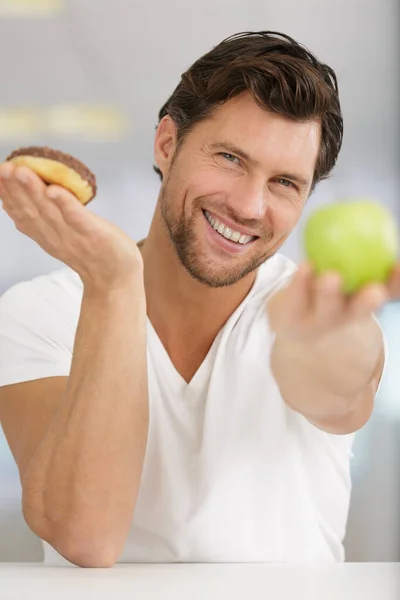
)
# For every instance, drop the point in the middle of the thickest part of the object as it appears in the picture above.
(56, 167)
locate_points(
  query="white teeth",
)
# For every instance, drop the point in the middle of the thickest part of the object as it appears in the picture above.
(235, 237)
(226, 232)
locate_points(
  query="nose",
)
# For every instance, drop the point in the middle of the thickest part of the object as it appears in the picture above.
(249, 199)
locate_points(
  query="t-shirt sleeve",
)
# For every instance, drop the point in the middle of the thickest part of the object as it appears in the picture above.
(36, 335)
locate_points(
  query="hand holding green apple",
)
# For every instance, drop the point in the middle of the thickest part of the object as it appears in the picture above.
(357, 239)
(351, 271)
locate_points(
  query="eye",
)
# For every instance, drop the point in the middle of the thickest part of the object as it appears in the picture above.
(285, 183)
(230, 157)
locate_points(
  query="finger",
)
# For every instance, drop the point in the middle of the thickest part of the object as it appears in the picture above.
(28, 207)
(13, 204)
(31, 182)
(328, 300)
(368, 300)
(33, 214)
(3, 193)
(34, 191)
(2, 203)
(19, 195)
(299, 303)
(72, 210)
(6, 170)
(19, 179)
(394, 283)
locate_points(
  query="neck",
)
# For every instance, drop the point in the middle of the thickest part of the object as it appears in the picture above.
(179, 306)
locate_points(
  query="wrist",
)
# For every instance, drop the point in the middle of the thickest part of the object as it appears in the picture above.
(131, 286)
(340, 364)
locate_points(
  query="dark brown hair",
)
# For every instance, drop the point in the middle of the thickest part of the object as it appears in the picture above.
(282, 76)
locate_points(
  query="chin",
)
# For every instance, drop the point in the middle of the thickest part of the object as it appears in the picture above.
(219, 276)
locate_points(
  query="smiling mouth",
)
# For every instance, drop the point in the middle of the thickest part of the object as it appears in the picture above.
(226, 232)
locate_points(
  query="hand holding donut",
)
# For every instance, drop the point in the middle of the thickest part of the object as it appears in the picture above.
(56, 167)
(40, 189)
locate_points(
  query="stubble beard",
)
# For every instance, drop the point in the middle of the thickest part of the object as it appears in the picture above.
(203, 268)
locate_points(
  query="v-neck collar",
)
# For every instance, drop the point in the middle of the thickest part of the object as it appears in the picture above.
(203, 372)
(179, 383)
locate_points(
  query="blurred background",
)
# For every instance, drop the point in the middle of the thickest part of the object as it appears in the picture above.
(89, 76)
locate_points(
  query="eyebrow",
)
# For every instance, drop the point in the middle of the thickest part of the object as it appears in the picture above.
(232, 149)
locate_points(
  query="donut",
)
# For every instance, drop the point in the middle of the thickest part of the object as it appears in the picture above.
(56, 167)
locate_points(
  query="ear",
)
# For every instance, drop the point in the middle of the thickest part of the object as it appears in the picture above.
(165, 144)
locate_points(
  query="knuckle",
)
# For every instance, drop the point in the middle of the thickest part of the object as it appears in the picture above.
(28, 214)
(24, 219)
(19, 226)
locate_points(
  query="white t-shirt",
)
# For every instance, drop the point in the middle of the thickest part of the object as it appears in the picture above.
(231, 473)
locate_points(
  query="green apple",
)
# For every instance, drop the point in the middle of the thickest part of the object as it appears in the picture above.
(356, 238)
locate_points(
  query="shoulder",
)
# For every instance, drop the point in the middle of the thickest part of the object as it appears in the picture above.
(273, 274)
(38, 321)
(38, 301)
(279, 264)
(61, 284)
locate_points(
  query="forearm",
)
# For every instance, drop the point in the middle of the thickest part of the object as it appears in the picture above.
(80, 489)
(332, 381)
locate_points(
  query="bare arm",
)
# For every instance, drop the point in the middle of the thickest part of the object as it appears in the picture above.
(332, 384)
(328, 353)
(80, 488)
(80, 453)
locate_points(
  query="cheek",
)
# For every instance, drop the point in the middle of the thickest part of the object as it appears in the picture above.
(176, 190)
(209, 183)
(284, 217)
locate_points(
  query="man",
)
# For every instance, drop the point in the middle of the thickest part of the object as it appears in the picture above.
(194, 399)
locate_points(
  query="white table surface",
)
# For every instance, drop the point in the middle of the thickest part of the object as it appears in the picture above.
(349, 581)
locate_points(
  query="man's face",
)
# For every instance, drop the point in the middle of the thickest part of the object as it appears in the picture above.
(236, 188)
